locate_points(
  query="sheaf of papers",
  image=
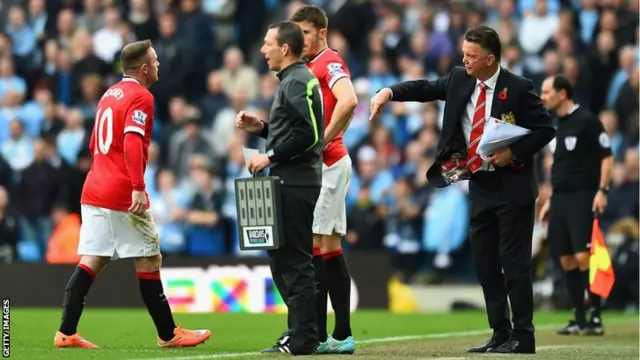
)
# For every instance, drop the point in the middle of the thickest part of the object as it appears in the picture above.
(248, 154)
(498, 134)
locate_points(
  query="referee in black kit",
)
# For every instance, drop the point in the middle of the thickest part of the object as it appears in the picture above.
(294, 136)
(580, 175)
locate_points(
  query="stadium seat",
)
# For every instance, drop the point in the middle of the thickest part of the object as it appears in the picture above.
(29, 251)
(202, 241)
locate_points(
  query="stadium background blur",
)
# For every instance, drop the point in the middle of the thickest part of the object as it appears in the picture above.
(57, 58)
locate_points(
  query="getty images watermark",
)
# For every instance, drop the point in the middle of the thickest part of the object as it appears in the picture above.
(6, 328)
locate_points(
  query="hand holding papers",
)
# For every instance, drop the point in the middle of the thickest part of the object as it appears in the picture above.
(498, 134)
(248, 154)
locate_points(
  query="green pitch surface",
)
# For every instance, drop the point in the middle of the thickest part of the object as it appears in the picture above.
(129, 334)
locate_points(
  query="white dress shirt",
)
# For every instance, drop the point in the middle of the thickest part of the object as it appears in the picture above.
(467, 116)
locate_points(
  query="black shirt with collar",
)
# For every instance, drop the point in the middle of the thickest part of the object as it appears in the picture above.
(295, 129)
(580, 145)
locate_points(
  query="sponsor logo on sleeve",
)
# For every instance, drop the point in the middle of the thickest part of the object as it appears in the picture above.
(604, 140)
(139, 117)
(335, 69)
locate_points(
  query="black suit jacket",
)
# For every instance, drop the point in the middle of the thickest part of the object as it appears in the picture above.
(518, 99)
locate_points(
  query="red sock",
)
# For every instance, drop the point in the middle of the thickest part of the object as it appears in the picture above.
(316, 251)
(331, 254)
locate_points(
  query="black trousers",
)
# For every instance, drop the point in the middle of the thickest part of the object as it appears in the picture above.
(501, 232)
(292, 268)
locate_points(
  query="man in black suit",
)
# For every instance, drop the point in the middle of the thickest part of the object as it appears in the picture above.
(503, 188)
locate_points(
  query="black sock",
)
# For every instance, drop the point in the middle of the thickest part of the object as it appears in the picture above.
(340, 293)
(322, 291)
(74, 294)
(595, 301)
(575, 287)
(157, 304)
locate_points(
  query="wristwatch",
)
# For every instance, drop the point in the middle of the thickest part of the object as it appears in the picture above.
(604, 190)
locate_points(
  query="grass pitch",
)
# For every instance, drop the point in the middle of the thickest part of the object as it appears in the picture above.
(129, 334)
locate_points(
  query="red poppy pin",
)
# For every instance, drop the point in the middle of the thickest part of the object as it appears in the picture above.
(502, 95)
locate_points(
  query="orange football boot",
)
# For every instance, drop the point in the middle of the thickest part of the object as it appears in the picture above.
(73, 341)
(185, 338)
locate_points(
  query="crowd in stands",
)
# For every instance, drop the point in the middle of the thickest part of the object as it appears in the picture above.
(57, 58)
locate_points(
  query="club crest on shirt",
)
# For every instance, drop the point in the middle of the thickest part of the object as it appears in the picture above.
(509, 118)
(334, 68)
(139, 117)
(570, 142)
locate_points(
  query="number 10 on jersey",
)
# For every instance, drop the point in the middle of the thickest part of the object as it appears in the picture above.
(103, 131)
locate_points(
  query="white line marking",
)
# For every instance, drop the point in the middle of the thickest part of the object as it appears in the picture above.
(366, 341)
(202, 357)
(396, 339)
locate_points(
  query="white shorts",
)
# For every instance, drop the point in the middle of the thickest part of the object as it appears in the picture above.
(330, 214)
(117, 234)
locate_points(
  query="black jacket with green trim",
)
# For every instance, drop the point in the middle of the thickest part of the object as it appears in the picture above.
(295, 129)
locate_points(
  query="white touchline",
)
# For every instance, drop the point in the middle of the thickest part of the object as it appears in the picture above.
(365, 341)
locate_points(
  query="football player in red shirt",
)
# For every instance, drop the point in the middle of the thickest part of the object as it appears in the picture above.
(330, 215)
(116, 220)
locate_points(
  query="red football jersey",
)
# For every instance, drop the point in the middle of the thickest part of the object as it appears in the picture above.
(125, 107)
(329, 67)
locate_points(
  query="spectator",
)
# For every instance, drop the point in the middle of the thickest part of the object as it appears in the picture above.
(203, 215)
(92, 18)
(144, 23)
(37, 19)
(13, 88)
(63, 244)
(18, 149)
(214, 100)
(38, 191)
(168, 206)
(238, 77)
(223, 126)
(365, 225)
(623, 199)
(108, 40)
(84, 62)
(176, 62)
(609, 121)
(185, 144)
(8, 230)
(72, 137)
(403, 228)
(537, 28)
(91, 89)
(65, 26)
(23, 37)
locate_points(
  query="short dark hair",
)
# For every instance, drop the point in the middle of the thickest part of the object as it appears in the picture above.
(290, 33)
(313, 14)
(487, 38)
(562, 83)
(133, 55)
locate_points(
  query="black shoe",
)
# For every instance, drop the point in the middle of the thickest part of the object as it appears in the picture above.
(275, 347)
(572, 328)
(281, 346)
(513, 346)
(594, 327)
(495, 341)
